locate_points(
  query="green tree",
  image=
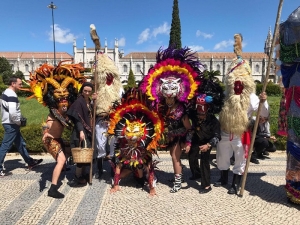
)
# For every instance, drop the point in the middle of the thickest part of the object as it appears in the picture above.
(19, 74)
(131, 80)
(4, 65)
(175, 33)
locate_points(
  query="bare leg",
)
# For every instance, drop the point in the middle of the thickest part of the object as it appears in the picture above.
(117, 177)
(175, 153)
(61, 160)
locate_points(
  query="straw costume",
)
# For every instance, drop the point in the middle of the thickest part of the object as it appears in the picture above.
(170, 84)
(109, 90)
(240, 102)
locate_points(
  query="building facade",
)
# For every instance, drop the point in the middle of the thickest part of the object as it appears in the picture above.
(140, 62)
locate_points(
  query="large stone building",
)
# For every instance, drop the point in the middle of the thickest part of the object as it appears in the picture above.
(139, 62)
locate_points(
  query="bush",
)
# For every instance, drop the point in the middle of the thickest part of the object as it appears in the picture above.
(271, 89)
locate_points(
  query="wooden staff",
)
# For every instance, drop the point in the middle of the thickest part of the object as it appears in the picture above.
(96, 40)
(260, 104)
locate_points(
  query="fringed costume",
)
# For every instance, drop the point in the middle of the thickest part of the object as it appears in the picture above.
(290, 70)
(170, 84)
(137, 130)
(240, 102)
(109, 90)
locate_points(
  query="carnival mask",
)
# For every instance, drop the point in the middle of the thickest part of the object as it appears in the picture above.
(238, 87)
(170, 87)
(202, 103)
(109, 79)
(134, 131)
(60, 93)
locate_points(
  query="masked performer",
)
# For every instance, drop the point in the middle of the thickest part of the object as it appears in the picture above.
(170, 84)
(137, 130)
(109, 90)
(207, 133)
(290, 70)
(56, 88)
(240, 102)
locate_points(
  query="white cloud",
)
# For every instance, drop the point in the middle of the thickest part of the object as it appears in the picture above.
(144, 36)
(163, 29)
(62, 36)
(148, 34)
(122, 42)
(205, 35)
(223, 45)
(196, 48)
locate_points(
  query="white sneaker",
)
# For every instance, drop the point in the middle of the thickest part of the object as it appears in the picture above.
(2, 174)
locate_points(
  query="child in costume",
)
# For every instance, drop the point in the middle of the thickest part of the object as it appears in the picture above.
(170, 84)
(240, 102)
(56, 88)
(290, 70)
(137, 130)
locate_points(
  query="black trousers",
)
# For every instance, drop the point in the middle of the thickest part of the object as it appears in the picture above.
(262, 144)
(205, 168)
(194, 161)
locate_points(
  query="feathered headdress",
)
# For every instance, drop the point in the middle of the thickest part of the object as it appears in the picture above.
(173, 64)
(133, 109)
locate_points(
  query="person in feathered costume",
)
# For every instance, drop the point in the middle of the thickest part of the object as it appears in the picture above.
(170, 84)
(137, 129)
(56, 88)
(240, 102)
(109, 89)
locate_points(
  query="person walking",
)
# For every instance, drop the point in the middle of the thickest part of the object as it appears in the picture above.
(11, 122)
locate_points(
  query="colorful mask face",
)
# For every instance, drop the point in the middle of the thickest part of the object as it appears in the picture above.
(170, 87)
(134, 131)
(60, 93)
(238, 87)
(202, 103)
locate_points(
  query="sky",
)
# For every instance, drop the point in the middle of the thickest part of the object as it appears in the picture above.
(139, 25)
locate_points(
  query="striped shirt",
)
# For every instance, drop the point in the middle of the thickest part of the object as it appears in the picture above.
(10, 107)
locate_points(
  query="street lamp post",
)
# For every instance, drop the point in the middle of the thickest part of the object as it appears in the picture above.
(52, 6)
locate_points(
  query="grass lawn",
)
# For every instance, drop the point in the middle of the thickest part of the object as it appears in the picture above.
(33, 111)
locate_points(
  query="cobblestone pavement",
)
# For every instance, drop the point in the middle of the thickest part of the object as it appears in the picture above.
(24, 198)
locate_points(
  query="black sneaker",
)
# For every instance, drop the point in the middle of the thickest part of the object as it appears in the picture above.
(35, 163)
(255, 161)
(266, 153)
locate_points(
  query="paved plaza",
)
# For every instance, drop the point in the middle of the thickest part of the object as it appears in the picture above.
(24, 198)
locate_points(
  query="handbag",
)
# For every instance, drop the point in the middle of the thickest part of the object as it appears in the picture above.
(23, 121)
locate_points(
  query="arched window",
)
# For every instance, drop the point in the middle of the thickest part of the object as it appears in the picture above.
(138, 69)
(218, 67)
(12, 67)
(205, 66)
(125, 69)
(26, 68)
(257, 69)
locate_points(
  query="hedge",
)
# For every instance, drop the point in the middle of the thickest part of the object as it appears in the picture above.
(271, 89)
(33, 138)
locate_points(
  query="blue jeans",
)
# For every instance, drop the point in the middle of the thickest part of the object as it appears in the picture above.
(12, 135)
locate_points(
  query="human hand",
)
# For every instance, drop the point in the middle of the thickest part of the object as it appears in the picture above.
(204, 148)
(187, 148)
(46, 135)
(273, 138)
(94, 96)
(263, 96)
(81, 136)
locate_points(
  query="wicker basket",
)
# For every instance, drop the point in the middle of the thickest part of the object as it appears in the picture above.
(82, 155)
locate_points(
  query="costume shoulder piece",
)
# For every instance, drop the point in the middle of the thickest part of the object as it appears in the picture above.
(136, 127)
(177, 73)
(109, 86)
(239, 85)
